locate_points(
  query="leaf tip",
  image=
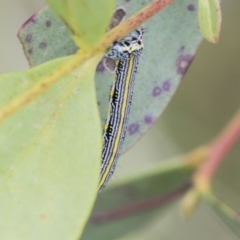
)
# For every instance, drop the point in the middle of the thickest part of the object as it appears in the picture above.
(190, 202)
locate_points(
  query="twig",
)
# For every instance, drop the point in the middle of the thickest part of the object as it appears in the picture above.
(217, 151)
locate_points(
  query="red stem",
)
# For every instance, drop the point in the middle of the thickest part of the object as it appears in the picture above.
(218, 150)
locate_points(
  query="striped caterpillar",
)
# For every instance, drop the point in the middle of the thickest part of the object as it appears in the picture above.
(126, 54)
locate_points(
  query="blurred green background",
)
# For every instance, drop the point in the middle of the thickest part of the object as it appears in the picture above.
(207, 98)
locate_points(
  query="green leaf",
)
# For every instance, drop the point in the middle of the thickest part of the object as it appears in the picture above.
(126, 207)
(87, 19)
(49, 175)
(170, 40)
(209, 17)
(229, 216)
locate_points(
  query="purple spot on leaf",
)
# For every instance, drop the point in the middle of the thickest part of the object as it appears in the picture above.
(30, 51)
(42, 45)
(48, 23)
(28, 38)
(133, 128)
(183, 63)
(100, 67)
(109, 65)
(182, 48)
(156, 91)
(118, 16)
(191, 7)
(166, 85)
(148, 119)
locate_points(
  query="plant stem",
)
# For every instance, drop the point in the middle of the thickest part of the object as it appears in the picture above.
(217, 151)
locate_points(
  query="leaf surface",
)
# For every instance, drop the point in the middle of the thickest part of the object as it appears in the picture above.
(82, 15)
(209, 15)
(228, 215)
(170, 40)
(50, 155)
(127, 206)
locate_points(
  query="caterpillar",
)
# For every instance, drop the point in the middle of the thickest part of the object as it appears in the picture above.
(126, 55)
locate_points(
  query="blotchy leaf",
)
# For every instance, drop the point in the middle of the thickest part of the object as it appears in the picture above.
(124, 208)
(170, 40)
(209, 17)
(50, 155)
(54, 41)
(230, 217)
(87, 19)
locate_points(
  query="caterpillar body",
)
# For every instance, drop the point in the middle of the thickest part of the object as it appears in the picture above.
(126, 54)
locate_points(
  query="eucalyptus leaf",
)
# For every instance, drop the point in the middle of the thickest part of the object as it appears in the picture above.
(82, 15)
(50, 155)
(209, 17)
(127, 206)
(170, 40)
(228, 215)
